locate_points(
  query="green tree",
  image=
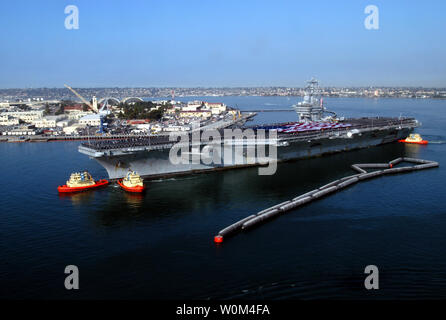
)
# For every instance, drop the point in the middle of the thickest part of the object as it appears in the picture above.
(60, 111)
(47, 109)
(141, 110)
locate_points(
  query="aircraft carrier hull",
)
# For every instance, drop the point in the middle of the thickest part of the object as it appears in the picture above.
(155, 163)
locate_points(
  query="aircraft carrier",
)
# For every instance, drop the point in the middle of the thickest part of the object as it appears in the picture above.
(311, 135)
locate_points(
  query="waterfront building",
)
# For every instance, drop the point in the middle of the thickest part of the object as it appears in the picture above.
(91, 120)
(73, 129)
(26, 116)
(19, 131)
(7, 120)
(48, 121)
(192, 106)
(64, 123)
(76, 115)
(215, 107)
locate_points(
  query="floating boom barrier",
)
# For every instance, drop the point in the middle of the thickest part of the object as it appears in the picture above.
(332, 187)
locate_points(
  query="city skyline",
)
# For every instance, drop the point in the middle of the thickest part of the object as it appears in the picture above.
(39, 94)
(232, 44)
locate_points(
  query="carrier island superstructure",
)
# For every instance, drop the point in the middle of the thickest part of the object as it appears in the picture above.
(317, 131)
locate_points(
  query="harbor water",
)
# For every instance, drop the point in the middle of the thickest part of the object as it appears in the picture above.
(160, 245)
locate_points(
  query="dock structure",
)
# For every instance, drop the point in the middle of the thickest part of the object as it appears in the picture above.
(329, 188)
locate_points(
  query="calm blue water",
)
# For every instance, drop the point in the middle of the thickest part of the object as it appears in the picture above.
(161, 245)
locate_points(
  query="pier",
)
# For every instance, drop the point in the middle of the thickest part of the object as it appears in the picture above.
(337, 185)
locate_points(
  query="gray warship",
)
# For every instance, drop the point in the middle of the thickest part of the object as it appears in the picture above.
(316, 132)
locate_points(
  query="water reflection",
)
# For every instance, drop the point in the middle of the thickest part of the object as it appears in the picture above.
(414, 149)
(79, 199)
(241, 190)
(135, 200)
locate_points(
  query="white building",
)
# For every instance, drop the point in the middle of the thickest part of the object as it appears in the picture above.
(215, 107)
(6, 120)
(73, 129)
(91, 120)
(76, 115)
(192, 106)
(48, 121)
(21, 131)
(64, 123)
(27, 116)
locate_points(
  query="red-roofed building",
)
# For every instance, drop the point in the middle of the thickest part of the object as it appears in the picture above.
(75, 107)
(137, 121)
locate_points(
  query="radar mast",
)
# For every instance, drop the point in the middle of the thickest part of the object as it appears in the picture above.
(312, 107)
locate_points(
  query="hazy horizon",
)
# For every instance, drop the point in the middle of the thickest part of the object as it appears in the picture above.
(227, 87)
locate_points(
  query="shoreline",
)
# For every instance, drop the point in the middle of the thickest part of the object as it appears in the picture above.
(266, 96)
(38, 138)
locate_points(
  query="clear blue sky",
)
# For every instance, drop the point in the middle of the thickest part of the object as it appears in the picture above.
(222, 43)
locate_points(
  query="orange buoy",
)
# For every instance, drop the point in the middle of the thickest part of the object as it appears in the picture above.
(218, 239)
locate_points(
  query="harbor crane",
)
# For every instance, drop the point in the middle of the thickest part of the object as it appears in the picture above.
(93, 106)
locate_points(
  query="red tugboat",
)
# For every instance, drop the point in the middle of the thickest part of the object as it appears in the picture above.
(414, 138)
(81, 181)
(132, 183)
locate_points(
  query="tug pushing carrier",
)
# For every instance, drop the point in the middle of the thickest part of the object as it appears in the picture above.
(414, 138)
(81, 181)
(132, 183)
(315, 132)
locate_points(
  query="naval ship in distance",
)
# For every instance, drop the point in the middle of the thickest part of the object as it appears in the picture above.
(317, 131)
